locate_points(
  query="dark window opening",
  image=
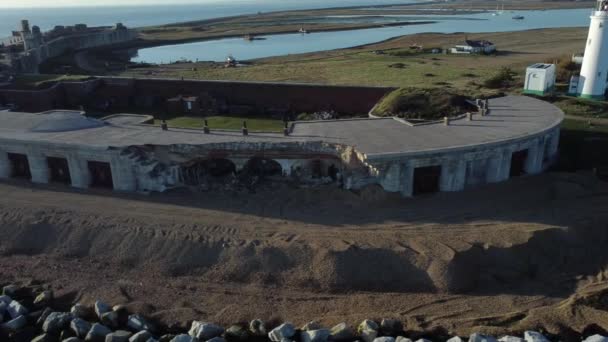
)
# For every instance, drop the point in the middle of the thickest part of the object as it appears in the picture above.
(20, 166)
(263, 167)
(426, 180)
(518, 163)
(198, 171)
(316, 169)
(332, 172)
(59, 170)
(101, 175)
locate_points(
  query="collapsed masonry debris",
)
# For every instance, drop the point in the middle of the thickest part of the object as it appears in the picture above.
(232, 167)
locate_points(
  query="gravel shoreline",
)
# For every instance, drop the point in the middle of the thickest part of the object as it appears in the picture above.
(28, 313)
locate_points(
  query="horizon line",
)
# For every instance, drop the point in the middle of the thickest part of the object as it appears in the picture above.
(117, 5)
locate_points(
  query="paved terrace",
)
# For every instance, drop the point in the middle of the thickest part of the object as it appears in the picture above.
(511, 117)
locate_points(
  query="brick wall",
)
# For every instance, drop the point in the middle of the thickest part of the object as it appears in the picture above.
(230, 97)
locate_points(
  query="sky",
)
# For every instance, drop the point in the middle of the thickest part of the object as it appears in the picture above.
(64, 3)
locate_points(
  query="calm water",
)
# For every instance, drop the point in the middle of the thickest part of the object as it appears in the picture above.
(137, 16)
(276, 45)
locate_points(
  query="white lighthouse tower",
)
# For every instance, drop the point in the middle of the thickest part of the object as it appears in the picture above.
(593, 79)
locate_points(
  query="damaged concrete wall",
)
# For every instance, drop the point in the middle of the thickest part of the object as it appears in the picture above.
(159, 167)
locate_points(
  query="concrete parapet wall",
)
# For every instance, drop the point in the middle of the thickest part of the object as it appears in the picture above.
(123, 175)
(464, 168)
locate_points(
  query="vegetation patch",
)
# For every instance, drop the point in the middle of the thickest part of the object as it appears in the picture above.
(226, 122)
(566, 68)
(581, 107)
(504, 78)
(397, 65)
(426, 104)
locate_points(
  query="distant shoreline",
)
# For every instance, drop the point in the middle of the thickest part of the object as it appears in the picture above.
(141, 43)
(459, 5)
(289, 22)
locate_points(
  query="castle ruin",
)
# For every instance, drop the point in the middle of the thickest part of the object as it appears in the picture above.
(29, 47)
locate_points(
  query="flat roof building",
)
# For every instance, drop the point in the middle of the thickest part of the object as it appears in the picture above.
(519, 136)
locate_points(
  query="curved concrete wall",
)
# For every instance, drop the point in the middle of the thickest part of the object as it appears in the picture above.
(131, 171)
(519, 136)
(473, 166)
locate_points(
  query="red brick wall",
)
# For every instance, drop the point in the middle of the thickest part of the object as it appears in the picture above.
(35, 101)
(293, 98)
(152, 93)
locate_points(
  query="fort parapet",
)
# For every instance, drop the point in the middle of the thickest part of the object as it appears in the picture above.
(108, 94)
(518, 136)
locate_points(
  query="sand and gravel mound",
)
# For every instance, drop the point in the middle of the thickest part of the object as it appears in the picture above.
(517, 260)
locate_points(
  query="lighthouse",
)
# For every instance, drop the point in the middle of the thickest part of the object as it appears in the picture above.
(593, 80)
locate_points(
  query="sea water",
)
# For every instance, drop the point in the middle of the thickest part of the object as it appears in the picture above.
(277, 45)
(138, 16)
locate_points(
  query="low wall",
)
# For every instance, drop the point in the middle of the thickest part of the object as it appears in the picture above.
(271, 97)
(117, 94)
(35, 101)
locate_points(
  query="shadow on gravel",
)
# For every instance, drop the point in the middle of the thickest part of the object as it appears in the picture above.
(548, 264)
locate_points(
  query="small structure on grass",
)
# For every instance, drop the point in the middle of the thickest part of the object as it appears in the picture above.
(472, 47)
(540, 79)
(231, 62)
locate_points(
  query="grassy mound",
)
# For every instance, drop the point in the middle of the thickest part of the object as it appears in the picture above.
(426, 104)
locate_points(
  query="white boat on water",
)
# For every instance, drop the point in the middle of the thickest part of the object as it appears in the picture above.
(499, 11)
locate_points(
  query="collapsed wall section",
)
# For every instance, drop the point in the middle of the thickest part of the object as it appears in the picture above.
(241, 164)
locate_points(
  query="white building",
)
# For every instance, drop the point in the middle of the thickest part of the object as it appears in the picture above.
(593, 79)
(474, 47)
(540, 79)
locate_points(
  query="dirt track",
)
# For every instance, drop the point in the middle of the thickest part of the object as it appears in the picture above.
(529, 253)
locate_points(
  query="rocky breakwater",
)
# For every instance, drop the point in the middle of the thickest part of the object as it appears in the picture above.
(31, 313)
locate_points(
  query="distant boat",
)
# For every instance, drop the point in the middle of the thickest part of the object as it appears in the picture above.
(519, 17)
(251, 37)
(302, 30)
(499, 12)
